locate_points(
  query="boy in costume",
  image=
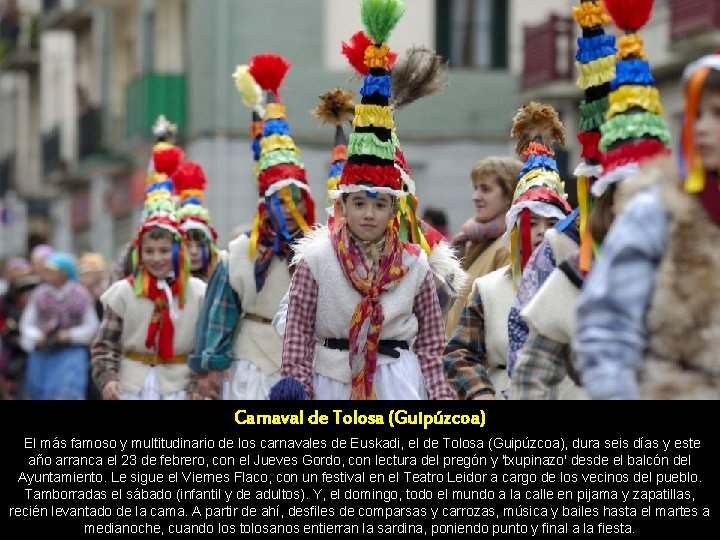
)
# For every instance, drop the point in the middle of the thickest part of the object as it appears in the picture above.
(141, 350)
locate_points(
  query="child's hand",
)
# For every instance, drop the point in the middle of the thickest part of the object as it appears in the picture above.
(111, 390)
(210, 384)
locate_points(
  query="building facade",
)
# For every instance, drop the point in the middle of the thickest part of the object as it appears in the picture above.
(82, 81)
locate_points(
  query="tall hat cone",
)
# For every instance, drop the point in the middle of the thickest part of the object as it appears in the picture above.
(595, 61)
(540, 190)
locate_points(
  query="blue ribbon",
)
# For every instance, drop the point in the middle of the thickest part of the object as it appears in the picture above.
(379, 84)
(537, 161)
(560, 226)
(275, 126)
(594, 48)
(192, 200)
(336, 169)
(632, 72)
(166, 185)
(280, 219)
(176, 258)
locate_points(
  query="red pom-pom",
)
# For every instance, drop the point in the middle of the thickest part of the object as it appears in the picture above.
(354, 51)
(167, 159)
(269, 70)
(629, 14)
(189, 175)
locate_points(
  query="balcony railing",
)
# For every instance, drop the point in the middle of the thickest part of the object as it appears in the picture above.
(7, 174)
(66, 14)
(691, 17)
(548, 52)
(52, 161)
(90, 132)
(150, 95)
(19, 42)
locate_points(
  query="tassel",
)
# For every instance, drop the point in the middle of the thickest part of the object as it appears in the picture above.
(255, 233)
(526, 236)
(294, 212)
(695, 180)
(586, 241)
(515, 265)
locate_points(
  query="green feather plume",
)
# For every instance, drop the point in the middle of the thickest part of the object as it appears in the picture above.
(379, 17)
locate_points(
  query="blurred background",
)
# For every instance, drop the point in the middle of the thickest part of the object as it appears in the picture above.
(82, 82)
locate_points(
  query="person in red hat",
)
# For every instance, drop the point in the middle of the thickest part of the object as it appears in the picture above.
(237, 354)
(141, 350)
(364, 320)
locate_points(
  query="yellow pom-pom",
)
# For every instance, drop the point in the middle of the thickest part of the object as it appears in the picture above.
(250, 91)
(631, 45)
(590, 14)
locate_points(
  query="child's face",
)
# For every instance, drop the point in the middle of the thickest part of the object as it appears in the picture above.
(707, 130)
(368, 217)
(538, 227)
(157, 256)
(195, 251)
(290, 224)
(55, 277)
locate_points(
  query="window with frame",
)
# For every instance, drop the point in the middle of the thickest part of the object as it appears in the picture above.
(473, 33)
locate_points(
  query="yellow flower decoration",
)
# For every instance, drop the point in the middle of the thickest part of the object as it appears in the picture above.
(590, 14)
(377, 57)
(274, 110)
(627, 97)
(277, 142)
(631, 45)
(373, 115)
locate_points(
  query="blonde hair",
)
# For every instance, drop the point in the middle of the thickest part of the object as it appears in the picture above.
(90, 262)
(504, 169)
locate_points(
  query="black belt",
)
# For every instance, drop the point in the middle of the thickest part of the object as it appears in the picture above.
(386, 346)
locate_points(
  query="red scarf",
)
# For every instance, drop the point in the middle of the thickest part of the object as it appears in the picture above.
(710, 197)
(391, 269)
(161, 330)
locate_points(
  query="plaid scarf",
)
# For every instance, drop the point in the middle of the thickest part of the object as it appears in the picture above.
(161, 330)
(367, 320)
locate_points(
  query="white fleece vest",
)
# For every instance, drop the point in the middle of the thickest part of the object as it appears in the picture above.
(337, 300)
(135, 313)
(551, 313)
(497, 294)
(257, 342)
(561, 244)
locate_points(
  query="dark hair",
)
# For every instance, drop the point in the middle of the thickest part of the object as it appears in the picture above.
(602, 214)
(712, 82)
(394, 199)
(156, 233)
(435, 216)
(196, 234)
